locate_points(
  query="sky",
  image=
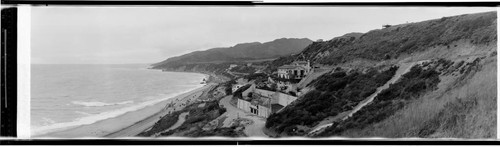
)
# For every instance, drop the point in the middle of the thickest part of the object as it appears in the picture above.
(125, 35)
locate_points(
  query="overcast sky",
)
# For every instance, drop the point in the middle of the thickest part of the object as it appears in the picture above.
(105, 35)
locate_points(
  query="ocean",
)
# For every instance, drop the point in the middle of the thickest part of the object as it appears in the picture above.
(65, 96)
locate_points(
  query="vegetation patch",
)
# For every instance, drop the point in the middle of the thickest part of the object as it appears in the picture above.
(335, 93)
(244, 69)
(256, 76)
(412, 84)
(197, 118)
(164, 123)
(452, 116)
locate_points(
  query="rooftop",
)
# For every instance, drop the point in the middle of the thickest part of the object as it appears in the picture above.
(257, 99)
(275, 107)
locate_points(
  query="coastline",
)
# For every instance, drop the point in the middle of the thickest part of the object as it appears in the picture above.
(212, 78)
(180, 102)
(131, 122)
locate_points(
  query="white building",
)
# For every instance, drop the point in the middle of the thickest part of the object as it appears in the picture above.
(296, 70)
(232, 66)
(264, 102)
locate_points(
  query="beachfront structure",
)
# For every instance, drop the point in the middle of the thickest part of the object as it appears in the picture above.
(296, 70)
(263, 102)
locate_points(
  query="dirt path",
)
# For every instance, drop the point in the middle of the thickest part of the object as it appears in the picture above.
(255, 129)
(403, 68)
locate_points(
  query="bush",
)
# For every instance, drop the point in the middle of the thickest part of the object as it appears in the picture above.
(244, 69)
(255, 76)
(229, 86)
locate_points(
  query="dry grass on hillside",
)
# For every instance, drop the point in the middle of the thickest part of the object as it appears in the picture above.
(473, 113)
(459, 109)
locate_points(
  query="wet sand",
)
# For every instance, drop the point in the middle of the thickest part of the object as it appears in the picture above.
(131, 123)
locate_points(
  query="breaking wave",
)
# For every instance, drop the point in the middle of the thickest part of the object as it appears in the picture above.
(99, 104)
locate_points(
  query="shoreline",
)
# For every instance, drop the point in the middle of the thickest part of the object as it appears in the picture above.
(147, 123)
(212, 78)
(142, 118)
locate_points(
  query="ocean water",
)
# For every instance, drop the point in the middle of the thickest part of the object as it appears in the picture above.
(65, 96)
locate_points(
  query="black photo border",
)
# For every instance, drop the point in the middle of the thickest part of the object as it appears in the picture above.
(9, 72)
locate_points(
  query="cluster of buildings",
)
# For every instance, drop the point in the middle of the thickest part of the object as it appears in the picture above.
(265, 101)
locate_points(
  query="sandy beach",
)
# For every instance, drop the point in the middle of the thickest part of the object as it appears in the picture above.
(131, 123)
(147, 123)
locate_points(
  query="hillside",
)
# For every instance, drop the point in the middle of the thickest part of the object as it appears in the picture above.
(449, 92)
(239, 52)
(400, 41)
(429, 79)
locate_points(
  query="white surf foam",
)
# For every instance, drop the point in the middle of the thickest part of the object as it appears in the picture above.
(83, 113)
(99, 104)
(87, 120)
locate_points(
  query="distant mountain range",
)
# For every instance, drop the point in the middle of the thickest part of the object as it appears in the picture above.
(241, 52)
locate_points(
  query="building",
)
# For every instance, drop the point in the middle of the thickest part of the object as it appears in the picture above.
(296, 70)
(263, 102)
(232, 66)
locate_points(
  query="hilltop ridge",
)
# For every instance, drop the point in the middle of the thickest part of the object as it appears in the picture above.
(438, 97)
(239, 52)
(400, 41)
